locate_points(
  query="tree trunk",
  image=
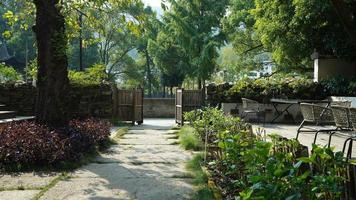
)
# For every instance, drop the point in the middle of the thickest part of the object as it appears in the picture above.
(52, 77)
(149, 74)
(199, 84)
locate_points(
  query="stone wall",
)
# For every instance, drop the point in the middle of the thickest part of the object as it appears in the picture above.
(84, 101)
(159, 108)
(19, 98)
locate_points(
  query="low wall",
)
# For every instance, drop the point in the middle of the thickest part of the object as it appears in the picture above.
(159, 108)
(84, 101)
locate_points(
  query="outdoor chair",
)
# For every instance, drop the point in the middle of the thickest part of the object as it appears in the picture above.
(316, 115)
(352, 135)
(252, 107)
(342, 121)
(319, 115)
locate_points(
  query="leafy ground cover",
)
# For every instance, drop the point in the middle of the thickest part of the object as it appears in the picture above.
(247, 166)
(25, 145)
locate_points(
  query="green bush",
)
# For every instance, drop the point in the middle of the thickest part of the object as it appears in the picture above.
(92, 76)
(264, 89)
(189, 139)
(249, 167)
(9, 74)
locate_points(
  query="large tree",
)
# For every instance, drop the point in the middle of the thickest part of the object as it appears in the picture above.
(291, 30)
(193, 29)
(52, 78)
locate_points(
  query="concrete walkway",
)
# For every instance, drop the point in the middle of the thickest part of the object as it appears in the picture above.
(290, 131)
(146, 164)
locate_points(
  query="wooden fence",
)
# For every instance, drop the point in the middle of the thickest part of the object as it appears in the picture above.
(128, 105)
(187, 100)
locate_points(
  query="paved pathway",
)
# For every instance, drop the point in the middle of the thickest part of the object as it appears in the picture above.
(145, 164)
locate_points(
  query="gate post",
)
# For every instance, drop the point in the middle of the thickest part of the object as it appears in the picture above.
(134, 92)
(182, 116)
(114, 101)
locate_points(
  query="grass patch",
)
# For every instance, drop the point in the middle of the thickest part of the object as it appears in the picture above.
(62, 177)
(120, 133)
(200, 179)
(189, 140)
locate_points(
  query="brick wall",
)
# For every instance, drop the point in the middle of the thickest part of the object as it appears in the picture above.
(159, 108)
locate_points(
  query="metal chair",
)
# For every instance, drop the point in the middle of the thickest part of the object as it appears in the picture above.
(342, 121)
(252, 107)
(352, 121)
(317, 115)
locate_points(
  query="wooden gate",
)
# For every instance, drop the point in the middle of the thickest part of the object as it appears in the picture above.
(186, 101)
(128, 105)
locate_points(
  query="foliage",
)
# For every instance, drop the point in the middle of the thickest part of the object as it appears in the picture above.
(249, 167)
(91, 76)
(186, 45)
(288, 31)
(9, 74)
(200, 179)
(264, 89)
(188, 139)
(25, 144)
(32, 69)
(278, 87)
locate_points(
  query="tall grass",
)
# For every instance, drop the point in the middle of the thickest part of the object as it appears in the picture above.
(200, 179)
(189, 140)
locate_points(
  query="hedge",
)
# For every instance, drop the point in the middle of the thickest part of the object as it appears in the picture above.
(263, 90)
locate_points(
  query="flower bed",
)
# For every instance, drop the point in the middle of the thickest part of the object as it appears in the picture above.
(25, 144)
(246, 166)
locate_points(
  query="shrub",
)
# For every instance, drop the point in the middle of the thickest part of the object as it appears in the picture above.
(189, 139)
(28, 143)
(264, 89)
(25, 144)
(246, 166)
(8, 74)
(92, 76)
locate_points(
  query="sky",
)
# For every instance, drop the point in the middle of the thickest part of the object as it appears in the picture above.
(155, 4)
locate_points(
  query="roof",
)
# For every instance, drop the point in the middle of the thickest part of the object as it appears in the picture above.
(4, 54)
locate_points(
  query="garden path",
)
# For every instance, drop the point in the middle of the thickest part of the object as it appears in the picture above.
(145, 164)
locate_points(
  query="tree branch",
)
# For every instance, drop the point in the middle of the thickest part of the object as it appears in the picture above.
(346, 19)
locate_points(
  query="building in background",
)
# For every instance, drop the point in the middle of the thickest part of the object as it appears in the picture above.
(10, 60)
(267, 69)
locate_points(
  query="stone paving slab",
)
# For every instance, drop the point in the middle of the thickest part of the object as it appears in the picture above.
(144, 154)
(128, 170)
(143, 165)
(147, 141)
(18, 194)
(148, 188)
(25, 180)
(127, 157)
